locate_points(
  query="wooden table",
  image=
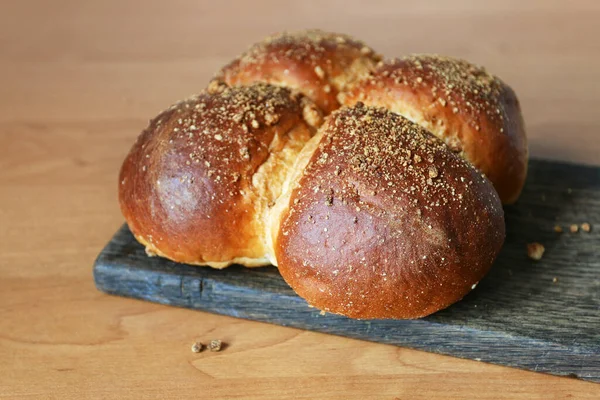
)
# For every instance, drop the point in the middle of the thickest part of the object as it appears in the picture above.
(78, 81)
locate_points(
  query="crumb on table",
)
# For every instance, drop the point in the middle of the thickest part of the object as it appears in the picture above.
(558, 229)
(197, 347)
(535, 251)
(215, 345)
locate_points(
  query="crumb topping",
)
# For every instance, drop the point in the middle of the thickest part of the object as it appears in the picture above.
(223, 124)
(391, 161)
(464, 87)
(302, 46)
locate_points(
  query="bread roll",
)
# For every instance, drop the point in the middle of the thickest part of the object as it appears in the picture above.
(474, 112)
(367, 215)
(198, 183)
(318, 64)
(385, 221)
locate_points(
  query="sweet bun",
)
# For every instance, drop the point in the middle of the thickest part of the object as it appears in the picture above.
(198, 183)
(318, 64)
(385, 221)
(474, 112)
(388, 207)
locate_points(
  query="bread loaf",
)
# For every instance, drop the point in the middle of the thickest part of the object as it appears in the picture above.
(383, 208)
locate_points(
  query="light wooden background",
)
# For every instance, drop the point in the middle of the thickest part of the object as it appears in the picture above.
(78, 81)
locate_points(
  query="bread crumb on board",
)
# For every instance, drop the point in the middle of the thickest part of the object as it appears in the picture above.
(555, 279)
(586, 227)
(558, 229)
(535, 251)
(574, 228)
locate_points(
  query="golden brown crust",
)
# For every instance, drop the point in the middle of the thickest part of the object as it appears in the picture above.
(318, 64)
(474, 112)
(199, 180)
(385, 221)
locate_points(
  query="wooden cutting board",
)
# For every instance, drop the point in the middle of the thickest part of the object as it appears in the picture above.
(537, 315)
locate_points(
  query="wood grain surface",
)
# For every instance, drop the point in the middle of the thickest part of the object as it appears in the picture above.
(79, 80)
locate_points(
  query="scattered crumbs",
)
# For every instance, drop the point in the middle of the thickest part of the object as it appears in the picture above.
(319, 71)
(215, 345)
(535, 251)
(473, 286)
(468, 88)
(555, 279)
(586, 227)
(433, 172)
(197, 347)
(574, 228)
(322, 312)
(306, 49)
(558, 229)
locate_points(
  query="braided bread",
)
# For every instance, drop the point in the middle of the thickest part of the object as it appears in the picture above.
(364, 211)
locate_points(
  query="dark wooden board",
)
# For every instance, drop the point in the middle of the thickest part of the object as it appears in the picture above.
(517, 316)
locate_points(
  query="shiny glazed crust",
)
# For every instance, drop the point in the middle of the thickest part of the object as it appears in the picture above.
(386, 221)
(367, 214)
(198, 183)
(474, 112)
(318, 64)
